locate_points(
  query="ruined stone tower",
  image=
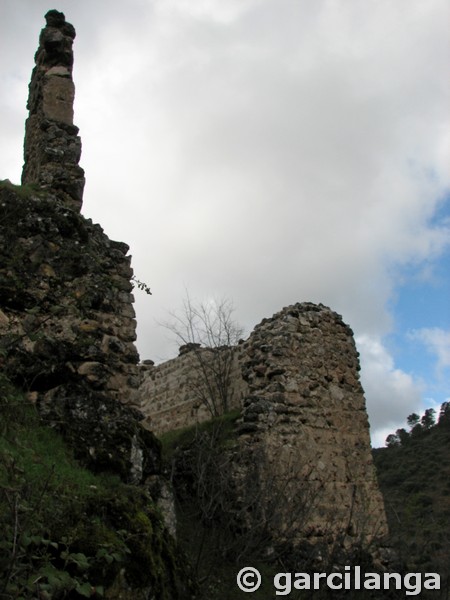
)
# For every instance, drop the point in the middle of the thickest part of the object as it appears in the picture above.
(303, 444)
(305, 427)
(67, 322)
(52, 145)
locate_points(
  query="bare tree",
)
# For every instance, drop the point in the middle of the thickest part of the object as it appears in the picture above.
(240, 510)
(210, 333)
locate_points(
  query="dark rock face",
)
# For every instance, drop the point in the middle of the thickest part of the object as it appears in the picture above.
(105, 435)
(67, 332)
(52, 145)
(69, 286)
(67, 329)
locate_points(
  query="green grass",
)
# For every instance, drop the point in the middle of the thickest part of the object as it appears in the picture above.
(178, 438)
(24, 191)
(43, 455)
(69, 533)
(38, 452)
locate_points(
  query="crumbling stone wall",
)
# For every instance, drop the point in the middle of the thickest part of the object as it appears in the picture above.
(304, 433)
(65, 293)
(67, 328)
(67, 322)
(52, 146)
(305, 415)
(67, 334)
(169, 394)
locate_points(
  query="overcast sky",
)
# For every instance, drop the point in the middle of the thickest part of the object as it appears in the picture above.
(270, 151)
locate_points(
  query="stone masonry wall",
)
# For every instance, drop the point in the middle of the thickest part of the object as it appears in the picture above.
(67, 332)
(304, 432)
(169, 397)
(305, 414)
(67, 329)
(67, 322)
(52, 146)
(65, 294)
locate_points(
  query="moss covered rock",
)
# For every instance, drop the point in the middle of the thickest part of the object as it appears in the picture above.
(67, 329)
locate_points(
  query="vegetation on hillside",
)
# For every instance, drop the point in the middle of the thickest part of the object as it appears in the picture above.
(414, 476)
(23, 191)
(67, 533)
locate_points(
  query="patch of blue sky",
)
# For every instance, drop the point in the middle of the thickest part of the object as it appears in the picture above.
(441, 215)
(422, 302)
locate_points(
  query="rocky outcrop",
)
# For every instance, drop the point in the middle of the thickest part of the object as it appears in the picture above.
(52, 145)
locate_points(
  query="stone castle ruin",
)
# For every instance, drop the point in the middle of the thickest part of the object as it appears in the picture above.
(52, 145)
(67, 333)
(67, 322)
(171, 394)
(304, 420)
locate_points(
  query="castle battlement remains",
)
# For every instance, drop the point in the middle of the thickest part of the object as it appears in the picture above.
(303, 421)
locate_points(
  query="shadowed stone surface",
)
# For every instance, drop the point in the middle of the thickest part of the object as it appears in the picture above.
(67, 332)
(67, 322)
(67, 329)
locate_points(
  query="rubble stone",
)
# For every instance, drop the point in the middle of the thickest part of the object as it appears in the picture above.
(52, 147)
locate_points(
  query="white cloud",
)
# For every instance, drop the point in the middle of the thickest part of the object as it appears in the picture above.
(437, 341)
(391, 393)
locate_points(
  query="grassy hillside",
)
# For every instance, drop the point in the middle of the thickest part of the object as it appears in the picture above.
(67, 533)
(414, 476)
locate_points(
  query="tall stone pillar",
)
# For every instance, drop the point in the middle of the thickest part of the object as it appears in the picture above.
(52, 145)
